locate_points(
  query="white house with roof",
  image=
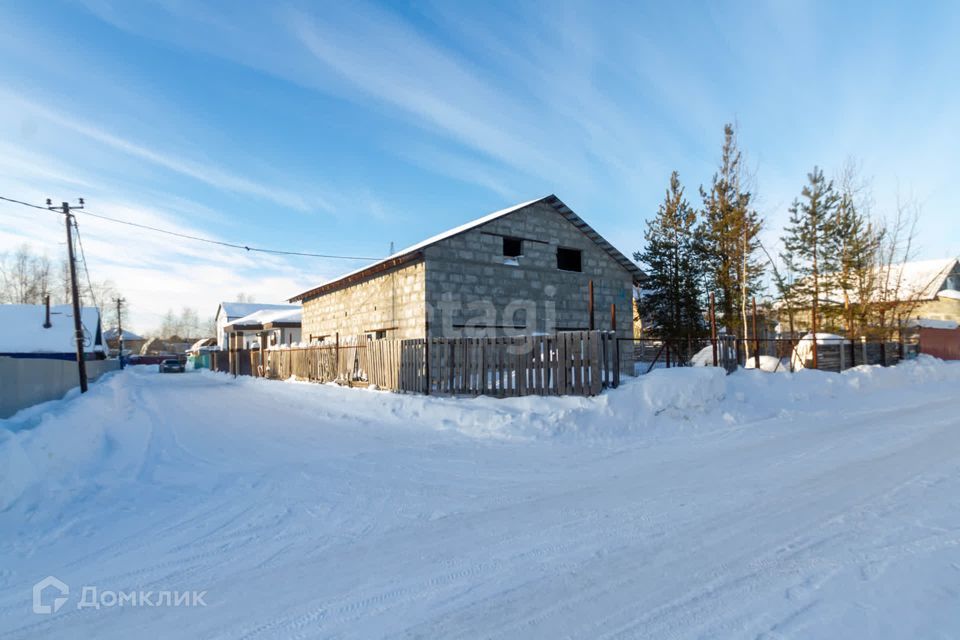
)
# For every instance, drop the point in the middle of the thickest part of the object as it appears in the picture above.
(268, 327)
(29, 331)
(229, 312)
(38, 352)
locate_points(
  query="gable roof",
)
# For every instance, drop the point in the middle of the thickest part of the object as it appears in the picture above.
(235, 310)
(23, 330)
(412, 252)
(112, 333)
(921, 280)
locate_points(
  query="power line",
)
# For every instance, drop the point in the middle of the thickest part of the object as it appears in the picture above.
(186, 236)
(86, 270)
(26, 204)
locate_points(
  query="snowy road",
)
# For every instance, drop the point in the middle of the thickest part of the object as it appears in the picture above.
(683, 505)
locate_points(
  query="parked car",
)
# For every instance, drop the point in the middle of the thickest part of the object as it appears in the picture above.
(171, 366)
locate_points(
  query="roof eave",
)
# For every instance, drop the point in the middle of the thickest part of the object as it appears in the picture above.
(360, 276)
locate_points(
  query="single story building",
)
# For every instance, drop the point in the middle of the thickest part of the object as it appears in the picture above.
(267, 327)
(228, 312)
(132, 343)
(533, 268)
(918, 291)
(38, 353)
(39, 331)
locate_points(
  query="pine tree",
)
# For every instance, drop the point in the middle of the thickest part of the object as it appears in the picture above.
(810, 241)
(730, 238)
(672, 292)
(858, 244)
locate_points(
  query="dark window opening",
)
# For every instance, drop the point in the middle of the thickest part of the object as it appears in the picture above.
(380, 335)
(512, 247)
(568, 259)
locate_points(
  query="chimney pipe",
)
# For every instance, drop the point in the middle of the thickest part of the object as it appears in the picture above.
(46, 324)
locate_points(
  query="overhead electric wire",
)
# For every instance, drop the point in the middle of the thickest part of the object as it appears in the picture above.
(26, 204)
(186, 236)
(86, 270)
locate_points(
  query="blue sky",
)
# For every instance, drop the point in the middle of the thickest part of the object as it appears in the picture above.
(340, 127)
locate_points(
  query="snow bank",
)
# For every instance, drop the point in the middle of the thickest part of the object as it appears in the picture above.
(769, 364)
(39, 447)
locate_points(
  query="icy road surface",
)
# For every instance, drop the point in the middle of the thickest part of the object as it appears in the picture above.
(683, 505)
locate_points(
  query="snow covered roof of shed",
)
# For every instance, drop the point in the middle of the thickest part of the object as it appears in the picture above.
(412, 252)
(22, 330)
(262, 317)
(235, 310)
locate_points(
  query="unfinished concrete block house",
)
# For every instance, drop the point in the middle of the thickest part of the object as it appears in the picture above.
(528, 269)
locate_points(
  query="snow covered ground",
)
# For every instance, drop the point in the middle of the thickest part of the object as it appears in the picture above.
(685, 504)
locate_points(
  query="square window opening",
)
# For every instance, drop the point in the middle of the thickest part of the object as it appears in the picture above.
(569, 259)
(512, 247)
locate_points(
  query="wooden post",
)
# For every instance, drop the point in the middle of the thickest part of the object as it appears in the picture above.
(426, 359)
(613, 328)
(814, 323)
(713, 327)
(590, 288)
(756, 337)
(263, 354)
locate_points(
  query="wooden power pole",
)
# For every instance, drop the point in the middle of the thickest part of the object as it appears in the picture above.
(77, 322)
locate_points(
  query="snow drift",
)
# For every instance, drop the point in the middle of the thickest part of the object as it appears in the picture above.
(686, 503)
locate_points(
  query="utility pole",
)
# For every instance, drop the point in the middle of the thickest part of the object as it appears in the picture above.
(120, 302)
(77, 323)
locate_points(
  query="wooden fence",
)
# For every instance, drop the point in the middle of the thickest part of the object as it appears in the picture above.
(833, 356)
(567, 363)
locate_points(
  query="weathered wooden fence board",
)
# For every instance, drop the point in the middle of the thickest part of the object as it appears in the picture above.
(575, 362)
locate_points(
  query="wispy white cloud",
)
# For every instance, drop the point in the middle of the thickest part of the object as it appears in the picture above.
(205, 173)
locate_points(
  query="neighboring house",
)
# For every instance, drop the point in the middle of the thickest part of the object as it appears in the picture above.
(203, 344)
(132, 343)
(924, 290)
(38, 353)
(172, 346)
(25, 335)
(937, 285)
(527, 270)
(227, 312)
(268, 327)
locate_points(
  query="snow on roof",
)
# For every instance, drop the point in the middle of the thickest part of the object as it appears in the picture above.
(921, 279)
(953, 294)
(234, 310)
(201, 343)
(562, 208)
(437, 238)
(111, 334)
(918, 280)
(263, 316)
(23, 330)
(932, 323)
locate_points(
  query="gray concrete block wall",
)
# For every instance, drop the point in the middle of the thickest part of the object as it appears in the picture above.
(466, 277)
(464, 280)
(392, 299)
